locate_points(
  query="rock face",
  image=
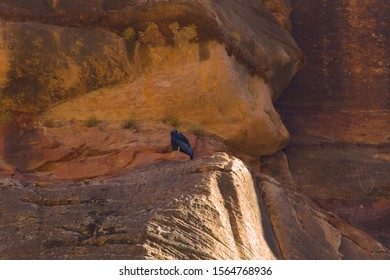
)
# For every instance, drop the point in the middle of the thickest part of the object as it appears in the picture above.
(305, 231)
(208, 210)
(89, 91)
(46, 64)
(201, 67)
(213, 208)
(73, 151)
(338, 110)
(200, 58)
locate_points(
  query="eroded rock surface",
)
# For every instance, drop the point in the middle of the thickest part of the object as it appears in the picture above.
(338, 110)
(212, 64)
(89, 91)
(305, 231)
(45, 64)
(212, 208)
(207, 210)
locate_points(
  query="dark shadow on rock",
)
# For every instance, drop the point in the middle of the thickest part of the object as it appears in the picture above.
(268, 232)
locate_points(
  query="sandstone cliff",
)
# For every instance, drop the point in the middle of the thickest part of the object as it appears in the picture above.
(211, 208)
(210, 67)
(219, 58)
(338, 110)
(89, 91)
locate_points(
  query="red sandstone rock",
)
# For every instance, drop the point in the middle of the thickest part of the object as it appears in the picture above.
(337, 109)
(206, 208)
(132, 60)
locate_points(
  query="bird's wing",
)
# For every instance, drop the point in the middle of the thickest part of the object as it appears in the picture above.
(174, 144)
(181, 137)
(184, 147)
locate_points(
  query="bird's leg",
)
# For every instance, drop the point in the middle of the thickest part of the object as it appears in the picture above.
(178, 149)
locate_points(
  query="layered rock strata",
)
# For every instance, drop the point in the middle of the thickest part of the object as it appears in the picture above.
(338, 110)
(213, 208)
(89, 91)
(152, 60)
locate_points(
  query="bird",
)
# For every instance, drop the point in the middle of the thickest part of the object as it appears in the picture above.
(180, 143)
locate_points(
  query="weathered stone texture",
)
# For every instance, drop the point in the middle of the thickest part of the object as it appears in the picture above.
(202, 58)
(305, 231)
(337, 109)
(89, 91)
(207, 210)
(211, 208)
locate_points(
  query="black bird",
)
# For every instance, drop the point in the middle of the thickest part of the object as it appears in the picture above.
(180, 143)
